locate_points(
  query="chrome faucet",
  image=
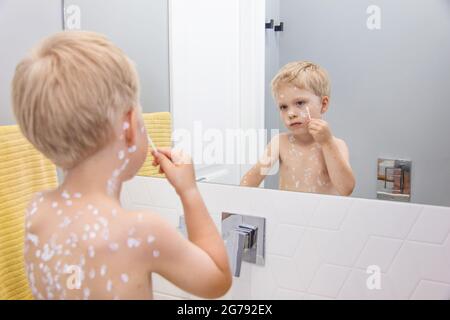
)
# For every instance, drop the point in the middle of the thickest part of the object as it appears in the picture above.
(244, 240)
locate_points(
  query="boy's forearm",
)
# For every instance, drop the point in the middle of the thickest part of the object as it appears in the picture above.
(341, 174)
(253, 177)
(201, 228)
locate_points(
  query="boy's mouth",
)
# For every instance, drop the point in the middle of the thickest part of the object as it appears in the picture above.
(295, 124)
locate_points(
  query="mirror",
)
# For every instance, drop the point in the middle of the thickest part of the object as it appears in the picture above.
(387, 68)
(138, 27)
(389, 71)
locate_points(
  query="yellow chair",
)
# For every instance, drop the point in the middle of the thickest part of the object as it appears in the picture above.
(159, 127)
(23, 172)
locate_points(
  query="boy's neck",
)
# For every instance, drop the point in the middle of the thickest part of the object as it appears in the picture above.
(91, 176)
(303, 138)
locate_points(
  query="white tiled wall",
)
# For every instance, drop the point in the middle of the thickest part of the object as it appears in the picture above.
(319, 247)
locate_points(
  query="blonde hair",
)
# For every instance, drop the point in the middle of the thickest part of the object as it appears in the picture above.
(70, 91)
(304, 75)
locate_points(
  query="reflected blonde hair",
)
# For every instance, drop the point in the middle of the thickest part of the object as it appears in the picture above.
(69, 92)
(304, 75)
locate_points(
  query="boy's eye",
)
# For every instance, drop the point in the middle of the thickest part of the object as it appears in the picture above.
(300, 103)
(283, 107)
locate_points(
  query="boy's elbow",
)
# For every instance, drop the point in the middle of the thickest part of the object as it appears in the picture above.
(221, 286)
(348, 190)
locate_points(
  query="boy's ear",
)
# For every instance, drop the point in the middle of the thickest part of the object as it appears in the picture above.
(325, 104)
(131, 133)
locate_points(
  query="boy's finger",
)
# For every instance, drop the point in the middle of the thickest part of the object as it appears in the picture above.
(164, 162)
(166, 151)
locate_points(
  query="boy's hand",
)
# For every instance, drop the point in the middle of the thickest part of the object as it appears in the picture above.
(178, 168)
(320, 131)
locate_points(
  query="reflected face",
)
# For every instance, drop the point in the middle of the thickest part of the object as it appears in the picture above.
(297, 106)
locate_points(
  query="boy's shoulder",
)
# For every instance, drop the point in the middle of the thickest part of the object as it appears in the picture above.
(140, 226)
(340, 142)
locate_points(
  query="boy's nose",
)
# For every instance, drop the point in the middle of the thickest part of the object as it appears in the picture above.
(292, 116)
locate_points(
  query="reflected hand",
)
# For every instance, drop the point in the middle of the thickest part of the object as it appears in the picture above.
(320, 131)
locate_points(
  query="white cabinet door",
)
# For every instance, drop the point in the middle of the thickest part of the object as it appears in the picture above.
(217, 77)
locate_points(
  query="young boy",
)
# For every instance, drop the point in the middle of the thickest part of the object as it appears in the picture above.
(76, 100)
(311, 158)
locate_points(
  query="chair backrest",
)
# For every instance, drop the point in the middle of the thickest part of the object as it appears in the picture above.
(23, 172)
(159, 127)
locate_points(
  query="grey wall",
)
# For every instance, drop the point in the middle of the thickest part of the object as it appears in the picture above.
(390, 87)
(22, 24)
(141, 29)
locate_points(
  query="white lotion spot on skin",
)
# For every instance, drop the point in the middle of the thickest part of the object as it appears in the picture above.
(77, 195)
(133, 243)
(54, 204)
(33, 238)
(126, 125)
(121, 155)
(150, 239)
(113, 246)
(91, 251)
(124, 277)
(132, 149)
(109, 286)
(156, 253)
(86, 293)
(103, 270)
(65, 195)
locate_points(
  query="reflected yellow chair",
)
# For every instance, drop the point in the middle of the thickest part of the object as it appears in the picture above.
(159, 127)
(23, 172)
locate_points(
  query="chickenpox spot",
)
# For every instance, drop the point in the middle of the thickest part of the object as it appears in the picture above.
(124, 277)
(54, 204)
(113, 246)
(91, 251)
(133, 243)
(86, 293)
(109, 286)
(33, 238)
(65, 195)
(103, 270)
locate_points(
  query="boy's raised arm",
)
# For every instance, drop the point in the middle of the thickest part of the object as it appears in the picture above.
(198, 265)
